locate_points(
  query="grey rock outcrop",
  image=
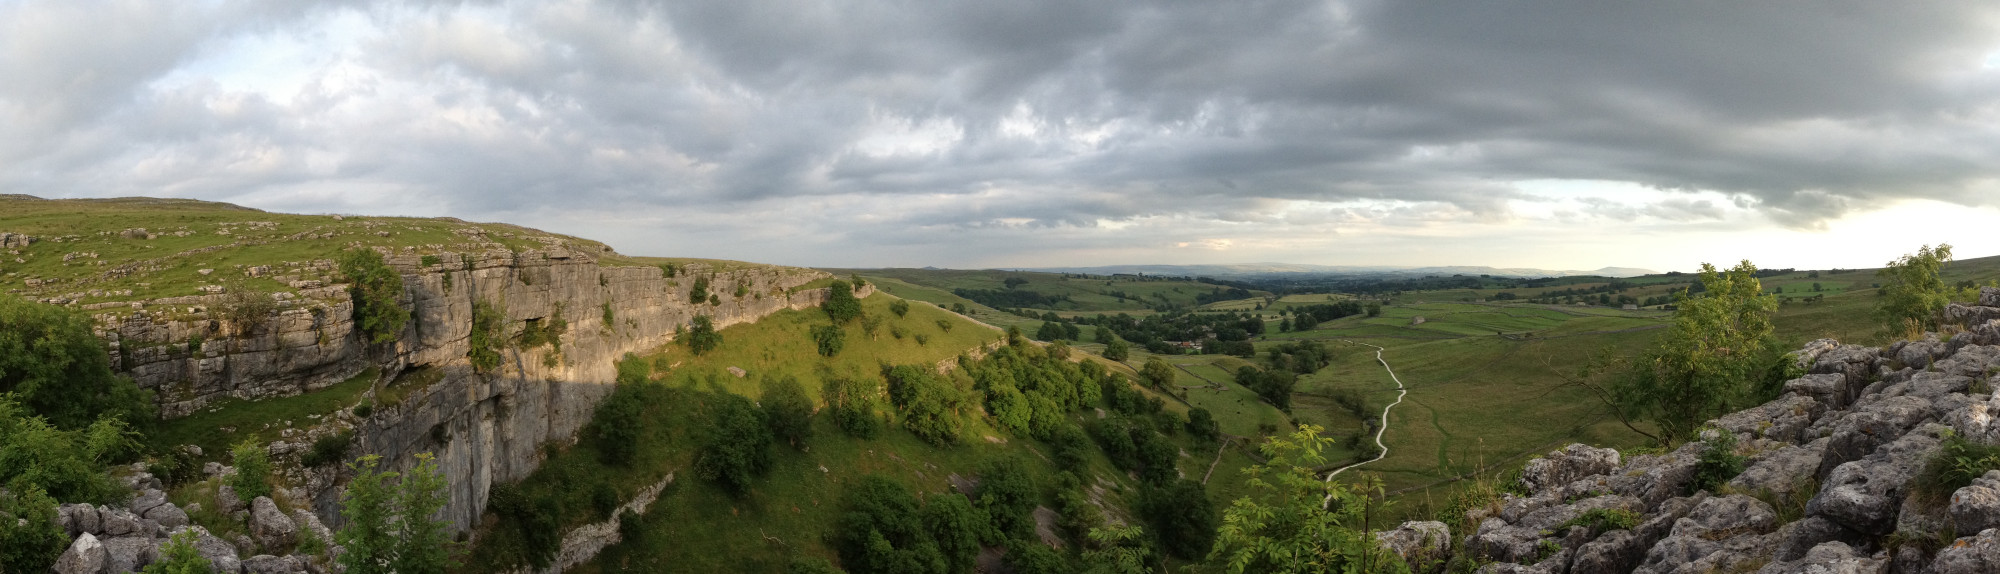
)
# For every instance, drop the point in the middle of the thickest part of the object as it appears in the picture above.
(85, 556)
(1416, 541)
(1566, 465)
(269, 526)
(1976, 508)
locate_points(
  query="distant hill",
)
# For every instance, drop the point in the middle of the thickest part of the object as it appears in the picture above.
(1271, 269)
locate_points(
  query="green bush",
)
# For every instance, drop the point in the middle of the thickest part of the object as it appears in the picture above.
(900, 307)
(1602, 520)
(1008, 497)
(787, 410)
(375, 289)
(737, 447)
(30, 539)
(431, 260)
(840, 304)
(829, 339)
(253, 470)
(56, 368)
(1955, 464)
(535, 523)
(389, 526)
(699, 293)
(702, 337)
(1181, 518)
(328, 449)
(179, 556)
(1718, 463)
(851, 404)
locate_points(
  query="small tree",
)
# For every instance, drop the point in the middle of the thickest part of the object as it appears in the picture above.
(389, 527)
(702, 337)
(179, 556)
(1299, 523)
(1912, 293)
(788, 410)
(738, 445)
(375, 289)
(1116, 549)
(829, 339)
(698, 294)
(54, 366)
(1157, 373)
(1201, 424)
(1117, 350)
(483, 347)
(1719, 342)
(851, 403)
(841, 304)
(253, 470)
(900, 307)
(30, 538)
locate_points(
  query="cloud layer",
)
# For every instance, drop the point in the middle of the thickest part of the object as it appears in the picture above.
(1020, 133)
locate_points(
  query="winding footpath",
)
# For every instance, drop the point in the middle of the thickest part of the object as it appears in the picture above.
(1400, 393)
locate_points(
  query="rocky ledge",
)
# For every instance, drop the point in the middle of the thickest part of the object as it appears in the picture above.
(1848, 438)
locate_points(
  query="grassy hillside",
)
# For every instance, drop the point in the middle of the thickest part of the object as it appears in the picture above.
(84, 251)
(1080, 294)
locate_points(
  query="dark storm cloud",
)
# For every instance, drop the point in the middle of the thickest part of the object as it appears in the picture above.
(914, 121)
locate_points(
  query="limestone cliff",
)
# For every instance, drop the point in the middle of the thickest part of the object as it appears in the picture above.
(484, 428)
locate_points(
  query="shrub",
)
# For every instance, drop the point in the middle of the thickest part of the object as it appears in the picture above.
(610, 320)
(488, 331)
(535, 521)
(787, 410)
(851, 404)
(1955, 464)
(1117, 350)
(840, 303)
(375, 289)
(389, 527)
(1912, 293)
(1202, 425)
(253, 470)
(57, 369)
(828, 339)
(328, 449)
(30, 539)
(1602, 520)
(900, 307)
(431, 260)
(179, 556)
(702, 337)
(1008, 496)
(616, 428)
(1718, 463)
(1181, 518)
(604, 500)
(944, 325)
(738, 444)
(364, 409)
(699, 293)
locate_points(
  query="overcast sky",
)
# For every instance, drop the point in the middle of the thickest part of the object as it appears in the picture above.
(1562, 135)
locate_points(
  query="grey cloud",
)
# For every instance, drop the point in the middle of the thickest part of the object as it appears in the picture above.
(1206, 113)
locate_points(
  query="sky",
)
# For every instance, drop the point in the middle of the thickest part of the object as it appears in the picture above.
(1027, 133)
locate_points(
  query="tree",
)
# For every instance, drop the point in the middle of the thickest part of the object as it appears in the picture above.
(1049, 331)
(253, 469)
(702, 337)
(488, 332)
(698, 293)
(1715, 350)
(1008, 497)
(1157, 373)
(616, 426)
(829, 339)
(738, 445)
(787, 410)
(1181, 517)
(56, 368)
(1202, 425)
(389, 526)
(30, 538)
(1298, 522)
(1117, 549)
(955, 527)
(851, 404)
(179, 556)
(881, 529)
(841, 304)
(1117, 350)
(375, 288)
(1912, 293)
(900, 307)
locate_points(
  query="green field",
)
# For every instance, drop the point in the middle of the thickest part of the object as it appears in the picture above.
(1092, 294)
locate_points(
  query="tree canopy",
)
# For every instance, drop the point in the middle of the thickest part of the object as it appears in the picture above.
(1912, 293)
(58, 369)
(1708, 360)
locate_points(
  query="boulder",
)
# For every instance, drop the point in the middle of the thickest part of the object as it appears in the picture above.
(168, 515)
(309, 522)
(1785, 419)
(1970, 555)
(1567, 465)
(1828, 389)
(146, 500)
(131, 554)
(1977, 507)
(1417, 541)
(1801, 537)
(1920, 354)
(85, 556)
(79, 518)
(227, 501)
(1781, 470)
(269, 526)
(1879, 422)
(1865, 495)
(123, 523)
(268, 564)
(1624, 550)
(221, 555)
(1829, 558)
(1989, 296)
(1854, 363)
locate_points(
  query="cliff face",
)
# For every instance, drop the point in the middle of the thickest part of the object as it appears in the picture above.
(484, 428)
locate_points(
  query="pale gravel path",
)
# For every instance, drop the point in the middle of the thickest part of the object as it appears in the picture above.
(1400, 393)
